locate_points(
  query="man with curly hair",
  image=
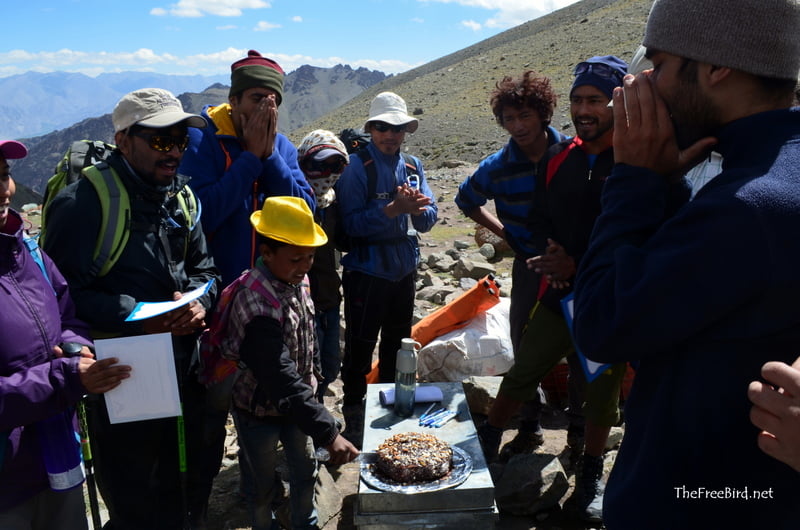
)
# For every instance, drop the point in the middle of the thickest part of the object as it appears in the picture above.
(523, 106)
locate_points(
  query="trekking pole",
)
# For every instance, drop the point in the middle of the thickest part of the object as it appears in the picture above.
(182, 470)
(83, 427)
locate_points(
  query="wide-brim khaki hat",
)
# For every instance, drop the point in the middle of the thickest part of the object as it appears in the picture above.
(288, 219)
(390, 108)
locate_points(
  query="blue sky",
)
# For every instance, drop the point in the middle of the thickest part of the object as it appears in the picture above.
(205, 36)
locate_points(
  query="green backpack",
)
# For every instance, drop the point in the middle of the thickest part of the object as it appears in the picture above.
(87, 159)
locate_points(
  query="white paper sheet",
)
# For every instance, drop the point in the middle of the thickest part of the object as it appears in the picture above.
(145, 310)
(152, 389)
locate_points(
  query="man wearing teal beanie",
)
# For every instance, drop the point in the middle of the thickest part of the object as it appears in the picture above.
(700, 293)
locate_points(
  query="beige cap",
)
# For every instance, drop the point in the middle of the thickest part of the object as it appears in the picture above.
(152, 107)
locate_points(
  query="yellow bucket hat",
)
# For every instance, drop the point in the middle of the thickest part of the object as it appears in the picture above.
(288, 219)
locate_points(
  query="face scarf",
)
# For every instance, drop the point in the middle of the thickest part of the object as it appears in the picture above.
(326, 144)
(323, 187)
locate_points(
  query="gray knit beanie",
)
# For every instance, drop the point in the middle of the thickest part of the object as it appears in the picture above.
(760, 37)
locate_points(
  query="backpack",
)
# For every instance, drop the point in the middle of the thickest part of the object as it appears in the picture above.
(81, 154)
(358, 141)
(88, 159)
(218, 369)
(354, 139)
(36, 253)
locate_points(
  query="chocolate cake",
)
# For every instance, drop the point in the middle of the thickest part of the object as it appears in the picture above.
(413, 457)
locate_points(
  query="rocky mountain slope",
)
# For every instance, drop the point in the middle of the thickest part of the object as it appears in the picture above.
(450, 95)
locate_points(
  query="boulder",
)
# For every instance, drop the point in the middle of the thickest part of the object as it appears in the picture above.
(483, 235)
(480, 392)
(530, 484)
(472, 268)
(487, 251)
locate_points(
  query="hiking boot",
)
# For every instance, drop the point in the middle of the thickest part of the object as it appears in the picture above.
(525, 442)
(490, 438)
(586, 501)
(575, 439)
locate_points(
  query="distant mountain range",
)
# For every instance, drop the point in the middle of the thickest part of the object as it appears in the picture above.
(34, 103)
(309, 92)
(450, 95)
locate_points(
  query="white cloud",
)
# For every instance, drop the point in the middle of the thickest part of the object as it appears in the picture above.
(471, 24)
(144, 59)
(418, 20)
(265, 26)
(508, 13)
(200, 8)
(297, 18)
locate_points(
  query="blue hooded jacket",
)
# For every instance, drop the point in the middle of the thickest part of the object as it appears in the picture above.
(232, 183)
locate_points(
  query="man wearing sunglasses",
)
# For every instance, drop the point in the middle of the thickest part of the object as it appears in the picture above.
(240, 159)
(380, 271)
(165, 256)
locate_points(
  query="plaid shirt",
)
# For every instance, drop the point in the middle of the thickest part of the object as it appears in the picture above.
(261, 294)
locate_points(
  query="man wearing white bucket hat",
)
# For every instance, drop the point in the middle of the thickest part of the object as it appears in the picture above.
(382, 214)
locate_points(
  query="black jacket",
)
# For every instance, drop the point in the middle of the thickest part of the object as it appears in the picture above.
(567, 203)
(142, 273)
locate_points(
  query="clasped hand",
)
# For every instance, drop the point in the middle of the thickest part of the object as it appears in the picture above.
(408, 200)
(260, 127)
(555, 264)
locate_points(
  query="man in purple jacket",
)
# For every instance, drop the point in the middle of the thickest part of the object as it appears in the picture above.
(36, 380)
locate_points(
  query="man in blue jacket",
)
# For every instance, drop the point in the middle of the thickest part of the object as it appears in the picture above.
(379, 278)
(703, 292)
(240, 159)
(523, 106)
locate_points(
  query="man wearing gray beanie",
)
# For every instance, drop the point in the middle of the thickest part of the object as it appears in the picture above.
(667, 283)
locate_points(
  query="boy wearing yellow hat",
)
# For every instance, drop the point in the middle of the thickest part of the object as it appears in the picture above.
(271, 326)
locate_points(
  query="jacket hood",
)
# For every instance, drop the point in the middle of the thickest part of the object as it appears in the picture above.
(221, 117)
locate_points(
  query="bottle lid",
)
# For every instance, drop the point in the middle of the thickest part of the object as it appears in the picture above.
(409, 344)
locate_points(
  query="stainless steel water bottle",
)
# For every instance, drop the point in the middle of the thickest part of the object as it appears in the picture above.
(405, 379)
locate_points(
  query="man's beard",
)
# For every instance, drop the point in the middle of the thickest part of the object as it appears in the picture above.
(693, 114)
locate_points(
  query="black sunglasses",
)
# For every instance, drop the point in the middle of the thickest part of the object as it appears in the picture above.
(598, 69)
(382, 126)
(330, 165)
(163, 142)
